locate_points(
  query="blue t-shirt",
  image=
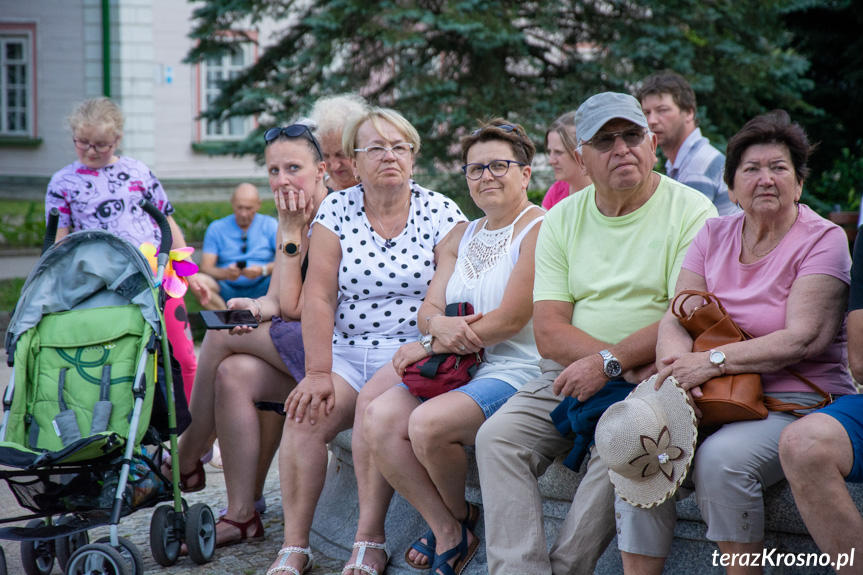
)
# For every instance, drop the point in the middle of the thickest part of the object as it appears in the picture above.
(225, 239)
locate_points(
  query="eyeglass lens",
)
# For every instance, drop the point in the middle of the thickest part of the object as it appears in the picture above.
(498, 168)
(605, 141)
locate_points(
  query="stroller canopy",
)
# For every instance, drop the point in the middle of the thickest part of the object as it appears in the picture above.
(85, 270)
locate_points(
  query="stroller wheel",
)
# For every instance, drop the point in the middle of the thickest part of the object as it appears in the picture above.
(164, 542)
(129, 551)
(65, 546)
(96, 559)
(37, 556)
(200, 533)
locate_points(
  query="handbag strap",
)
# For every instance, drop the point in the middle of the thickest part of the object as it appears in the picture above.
(684, 295)
(429, 368)
(774, 404)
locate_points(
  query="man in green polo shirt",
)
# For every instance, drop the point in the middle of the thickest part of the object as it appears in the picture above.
(607, 260)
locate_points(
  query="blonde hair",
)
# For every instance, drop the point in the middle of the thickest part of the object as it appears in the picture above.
(375, 115)
(565, 128)
(331, 113)
(98, 112)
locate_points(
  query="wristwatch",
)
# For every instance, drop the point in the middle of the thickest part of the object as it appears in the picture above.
(290, 248)
(427, 340)
(610, 364)
(717, 358)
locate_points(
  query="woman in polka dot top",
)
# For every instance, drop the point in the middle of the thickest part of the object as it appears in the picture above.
(372, 256)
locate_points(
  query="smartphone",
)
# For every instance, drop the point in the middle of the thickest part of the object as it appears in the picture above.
(241, 264)
(228, 318)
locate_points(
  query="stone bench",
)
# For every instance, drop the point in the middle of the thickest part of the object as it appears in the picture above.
(338, 511)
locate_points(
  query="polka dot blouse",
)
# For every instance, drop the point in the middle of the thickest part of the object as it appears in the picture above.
(380, 287)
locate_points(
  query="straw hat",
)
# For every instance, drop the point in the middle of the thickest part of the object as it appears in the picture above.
(648, 441)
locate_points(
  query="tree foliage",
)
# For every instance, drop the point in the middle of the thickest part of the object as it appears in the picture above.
(445, 63)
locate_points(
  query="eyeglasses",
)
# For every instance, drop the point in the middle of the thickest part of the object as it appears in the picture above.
(497, 168)
(378, 152)
(84, 145)
(604, 141)
(294, 131)
(244, 245)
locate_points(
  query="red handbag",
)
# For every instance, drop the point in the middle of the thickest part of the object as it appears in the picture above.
(442, 372)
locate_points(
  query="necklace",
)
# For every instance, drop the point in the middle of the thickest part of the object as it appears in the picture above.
(752, 251)
(389, 239)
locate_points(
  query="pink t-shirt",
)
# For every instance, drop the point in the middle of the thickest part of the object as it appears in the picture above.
(557, 192)
(755, 295)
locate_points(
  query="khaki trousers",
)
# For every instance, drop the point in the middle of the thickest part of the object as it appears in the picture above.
(515, 447)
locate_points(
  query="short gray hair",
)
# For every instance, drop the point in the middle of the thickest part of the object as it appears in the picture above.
(331, 113)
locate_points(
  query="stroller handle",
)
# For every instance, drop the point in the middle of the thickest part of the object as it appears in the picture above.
(162, 222)
(165, 248)
(51, 229)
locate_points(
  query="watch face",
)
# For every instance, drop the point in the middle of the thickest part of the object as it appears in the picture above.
(717, 357)
(426, 338)
(612, 368)
(291, 248)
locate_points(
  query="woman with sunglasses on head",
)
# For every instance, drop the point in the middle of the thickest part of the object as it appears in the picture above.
(101, 191)
(246, 365)
(560, 144)
(375, 247)
(417, 443)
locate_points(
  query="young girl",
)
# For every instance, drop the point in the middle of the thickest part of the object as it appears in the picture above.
(102, 190)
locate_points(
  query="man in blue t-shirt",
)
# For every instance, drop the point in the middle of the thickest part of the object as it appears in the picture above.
(239, 250)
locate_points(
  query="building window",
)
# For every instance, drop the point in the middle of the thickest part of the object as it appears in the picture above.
(215, 71)
(16, 82)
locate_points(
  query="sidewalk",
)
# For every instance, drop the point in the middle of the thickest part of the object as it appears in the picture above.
(243, 559)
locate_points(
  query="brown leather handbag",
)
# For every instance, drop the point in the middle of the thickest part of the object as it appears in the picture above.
(730, 397)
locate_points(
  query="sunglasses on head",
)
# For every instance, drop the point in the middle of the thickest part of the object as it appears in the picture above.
(294, 131)
(503, 128)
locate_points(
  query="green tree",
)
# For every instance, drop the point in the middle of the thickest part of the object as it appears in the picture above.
(445, 63)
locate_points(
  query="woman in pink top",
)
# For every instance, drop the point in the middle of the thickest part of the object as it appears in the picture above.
(564, 160)
(782, 273)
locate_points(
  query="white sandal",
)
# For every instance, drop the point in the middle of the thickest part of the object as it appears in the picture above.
(362, 546)
(284, 567)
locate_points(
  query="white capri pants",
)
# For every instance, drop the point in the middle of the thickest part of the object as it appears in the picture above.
(731, 469)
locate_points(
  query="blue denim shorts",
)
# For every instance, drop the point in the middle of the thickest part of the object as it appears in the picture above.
(489, 393)
(848, 410)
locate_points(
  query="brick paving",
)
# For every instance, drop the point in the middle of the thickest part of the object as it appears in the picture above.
(242, 559)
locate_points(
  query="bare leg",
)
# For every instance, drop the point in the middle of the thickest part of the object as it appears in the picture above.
(271, 425)
(817, 455)
(634, 564)
(373, 490)
(396, 441)
(303, 466)
(242, 380)
(217, 346)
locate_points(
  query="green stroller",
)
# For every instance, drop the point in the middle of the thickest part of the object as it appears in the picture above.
(88, 408)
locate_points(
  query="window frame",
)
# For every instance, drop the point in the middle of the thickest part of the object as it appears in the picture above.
(25, 33)
(250, 56)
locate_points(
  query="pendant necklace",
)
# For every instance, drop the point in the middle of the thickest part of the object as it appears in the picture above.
(388, 243)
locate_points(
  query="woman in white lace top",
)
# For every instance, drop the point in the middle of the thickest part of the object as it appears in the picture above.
(417, 444)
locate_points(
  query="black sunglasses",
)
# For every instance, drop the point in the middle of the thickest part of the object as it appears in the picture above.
(294, 131)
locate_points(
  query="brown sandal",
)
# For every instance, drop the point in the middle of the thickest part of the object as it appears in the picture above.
(244, 527)
(197, 473)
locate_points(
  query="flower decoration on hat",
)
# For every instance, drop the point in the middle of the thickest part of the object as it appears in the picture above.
(180, 266)
(658, 455)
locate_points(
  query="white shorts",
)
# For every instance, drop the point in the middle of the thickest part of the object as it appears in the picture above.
(358, 364)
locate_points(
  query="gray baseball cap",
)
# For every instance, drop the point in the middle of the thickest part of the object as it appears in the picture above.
(599, 109)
